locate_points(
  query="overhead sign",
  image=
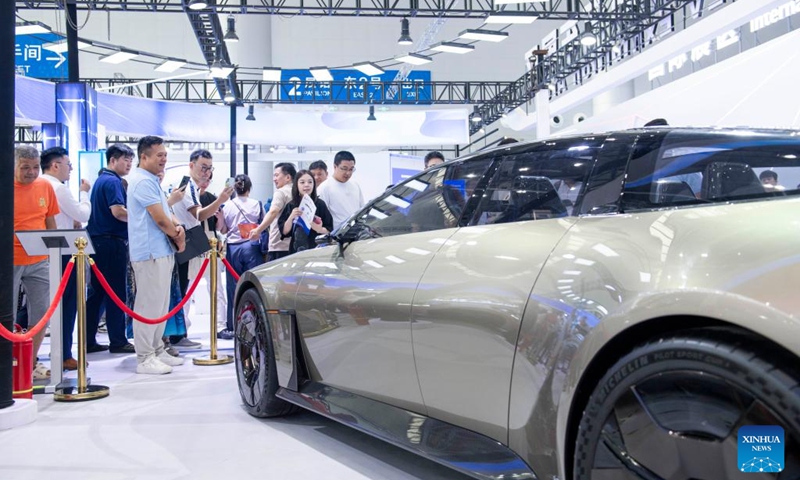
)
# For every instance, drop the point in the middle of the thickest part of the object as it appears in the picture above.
(31, 59)
(698, 53)
(349, 85)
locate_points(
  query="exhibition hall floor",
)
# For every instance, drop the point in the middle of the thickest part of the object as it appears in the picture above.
(190, 425)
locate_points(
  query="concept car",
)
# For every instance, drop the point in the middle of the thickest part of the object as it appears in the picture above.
(612, 306)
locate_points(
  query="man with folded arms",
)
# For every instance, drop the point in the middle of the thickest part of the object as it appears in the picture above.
(150, 228)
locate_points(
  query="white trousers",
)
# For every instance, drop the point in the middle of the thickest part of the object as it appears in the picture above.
(153, 281)
(194, 269)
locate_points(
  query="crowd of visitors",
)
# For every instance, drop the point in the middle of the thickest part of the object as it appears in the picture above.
(136, 228)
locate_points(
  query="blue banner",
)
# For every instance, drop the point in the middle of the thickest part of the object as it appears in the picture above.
(31, 59)
(352, 86)
(76, 107)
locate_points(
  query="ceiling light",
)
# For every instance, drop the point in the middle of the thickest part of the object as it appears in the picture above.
(405, 35)
(476, 114)
(271, 74)
(230, 35)
(229, 97)
(453, 47)
(486, 35)
(588, 39)
(217, 68)
(369, 68)
(119, 57)
(198, 4)
(371, 114)
(414, 59)
(62, 47)
(321, 74)
(503, 17)
(31, 28)
(170, 65)
(250, 115)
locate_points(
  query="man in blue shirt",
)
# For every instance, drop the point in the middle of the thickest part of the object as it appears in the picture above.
(150, 226)
(108, 229)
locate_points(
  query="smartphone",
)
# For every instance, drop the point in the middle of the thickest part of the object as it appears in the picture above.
(229, 182)
(184, 181)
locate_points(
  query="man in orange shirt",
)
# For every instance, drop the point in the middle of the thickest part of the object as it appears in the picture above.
(35, 208)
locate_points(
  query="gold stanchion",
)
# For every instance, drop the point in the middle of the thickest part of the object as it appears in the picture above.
(81, 392)
(213, 358)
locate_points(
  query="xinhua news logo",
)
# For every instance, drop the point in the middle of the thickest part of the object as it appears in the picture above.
(761, 448)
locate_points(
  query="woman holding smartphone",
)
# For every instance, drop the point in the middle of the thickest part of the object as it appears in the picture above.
(290, 223)
(240, 215)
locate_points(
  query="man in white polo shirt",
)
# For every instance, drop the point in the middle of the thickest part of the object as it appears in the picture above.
(342, 196)
(57, 167)
(190, 213)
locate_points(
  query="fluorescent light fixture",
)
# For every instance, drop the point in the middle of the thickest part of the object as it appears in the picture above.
(198, 4)
(321, 74)
(453, 47)
(119, 57)
(220, 71)
(369, 68)
(170, 65)
(417, 251)
(373, 263)
(417, 185)
(271, 74)
(503, 17)
(377, 214)
(414, 59)
(486, 35)
(31, 28)
(62, 47)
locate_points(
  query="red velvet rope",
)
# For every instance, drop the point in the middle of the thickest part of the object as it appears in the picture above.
(135, 315)
(230, 269)
(21, 337)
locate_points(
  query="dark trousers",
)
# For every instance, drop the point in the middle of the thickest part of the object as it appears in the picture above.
(274, 255)
(183, 282)
(111, 257)
(242, 256)
(69, 308)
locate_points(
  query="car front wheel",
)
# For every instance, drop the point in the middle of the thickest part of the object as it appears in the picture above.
(255, 360)
(671, 409)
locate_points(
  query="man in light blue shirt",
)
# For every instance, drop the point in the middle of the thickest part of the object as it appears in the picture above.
(150, 223)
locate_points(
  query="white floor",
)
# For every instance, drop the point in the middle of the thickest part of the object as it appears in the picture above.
(190, 425)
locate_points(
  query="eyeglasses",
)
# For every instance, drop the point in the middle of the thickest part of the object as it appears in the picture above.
(205, 169)
(347, 170)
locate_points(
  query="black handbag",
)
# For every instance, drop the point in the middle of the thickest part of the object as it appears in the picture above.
(196, 244)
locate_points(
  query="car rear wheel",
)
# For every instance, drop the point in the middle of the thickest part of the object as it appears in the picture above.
(255, 359)
(671, 409)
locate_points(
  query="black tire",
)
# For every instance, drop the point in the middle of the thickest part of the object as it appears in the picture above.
(671, 409)
(255, 359)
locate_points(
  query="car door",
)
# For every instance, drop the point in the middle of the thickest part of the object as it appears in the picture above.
(354, 303)
(468, 307)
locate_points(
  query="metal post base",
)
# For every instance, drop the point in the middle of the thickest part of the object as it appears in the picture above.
(71, 394)
(219, 360)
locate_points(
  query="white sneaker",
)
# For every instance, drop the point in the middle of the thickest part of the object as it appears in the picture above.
(168, 359)
(153, 366)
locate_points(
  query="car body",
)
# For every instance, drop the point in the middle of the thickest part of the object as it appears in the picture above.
(494, 313)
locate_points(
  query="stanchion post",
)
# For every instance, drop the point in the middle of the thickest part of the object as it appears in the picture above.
(82, 391)
(213, 358)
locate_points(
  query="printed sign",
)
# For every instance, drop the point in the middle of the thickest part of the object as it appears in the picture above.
(761, 448)
(349, 85)
(31, 59)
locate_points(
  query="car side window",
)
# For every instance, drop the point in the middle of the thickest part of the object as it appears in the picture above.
(433, 200)
(545, 182)
(687, 168)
